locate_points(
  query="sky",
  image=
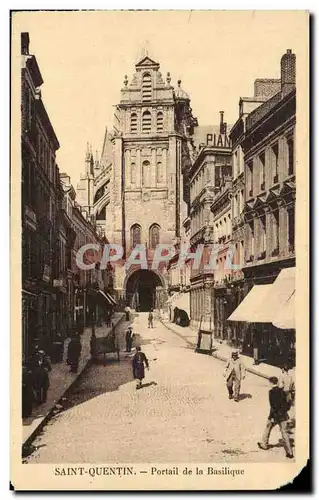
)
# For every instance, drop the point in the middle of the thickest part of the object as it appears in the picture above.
(83, 57)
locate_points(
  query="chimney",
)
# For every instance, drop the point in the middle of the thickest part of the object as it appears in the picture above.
(221, 126)
(25, 41)
(288, 70)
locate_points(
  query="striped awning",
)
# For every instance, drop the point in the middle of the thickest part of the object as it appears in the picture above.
(249, 309)
(270, 303)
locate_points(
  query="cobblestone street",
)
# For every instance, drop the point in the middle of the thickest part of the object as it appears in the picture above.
(182, 413)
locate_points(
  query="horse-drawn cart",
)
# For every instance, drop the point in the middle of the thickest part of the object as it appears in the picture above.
(105, 345)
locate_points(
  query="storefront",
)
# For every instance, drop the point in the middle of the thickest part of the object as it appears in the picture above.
(268, 312)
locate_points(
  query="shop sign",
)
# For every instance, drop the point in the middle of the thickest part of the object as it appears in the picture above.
(218, 140)
(46, 273)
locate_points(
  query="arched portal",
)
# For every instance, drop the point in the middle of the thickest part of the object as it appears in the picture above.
(145, 289)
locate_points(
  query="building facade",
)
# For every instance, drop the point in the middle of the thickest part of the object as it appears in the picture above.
(41, 203)
(223, 290)
(266, 136)
(211, 166)
(140, 194)
(264, 89)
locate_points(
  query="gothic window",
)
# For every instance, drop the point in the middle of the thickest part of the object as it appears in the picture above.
(160, 120)
(133, 122)
(147, 87)
(146, 173)
(146, 122)
(159, 172)
(135, 235)
(133, 173)
(154, 238)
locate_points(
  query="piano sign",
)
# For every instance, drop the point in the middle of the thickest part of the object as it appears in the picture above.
(218, 140)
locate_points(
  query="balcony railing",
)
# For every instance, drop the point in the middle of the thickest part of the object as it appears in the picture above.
(262, 111)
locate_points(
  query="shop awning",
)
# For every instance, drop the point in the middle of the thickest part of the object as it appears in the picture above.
(265, 302)
(285, 318)
(106, 298)
(249, 308)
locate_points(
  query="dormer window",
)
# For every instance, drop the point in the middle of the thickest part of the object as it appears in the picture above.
(147, 87)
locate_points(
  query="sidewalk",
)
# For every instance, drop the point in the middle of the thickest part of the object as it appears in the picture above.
(223, 351)
(61, 380)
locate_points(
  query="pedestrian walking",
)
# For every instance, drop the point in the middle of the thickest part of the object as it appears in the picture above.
(234, 374)
(286, 382)
(150, 319)
(74, 353)
(138, 362)
(127, 313)
(278, 416)
(129, 339)
(40, 367)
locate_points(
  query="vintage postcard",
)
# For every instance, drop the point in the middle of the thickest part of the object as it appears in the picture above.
(159, 217)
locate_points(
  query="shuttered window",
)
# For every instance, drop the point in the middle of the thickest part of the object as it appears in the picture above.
(146, 122)
(147, 87)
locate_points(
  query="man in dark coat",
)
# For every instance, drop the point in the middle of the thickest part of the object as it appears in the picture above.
(40, 368)
(74, 353)
(138, 362)
(278, 416)
(129, 339)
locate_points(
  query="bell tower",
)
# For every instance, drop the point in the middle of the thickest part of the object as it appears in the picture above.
(153, 125)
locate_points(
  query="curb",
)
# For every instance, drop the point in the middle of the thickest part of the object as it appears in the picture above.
(49, 414)
(214, 354)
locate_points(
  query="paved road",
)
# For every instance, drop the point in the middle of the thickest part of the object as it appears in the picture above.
(182, 414)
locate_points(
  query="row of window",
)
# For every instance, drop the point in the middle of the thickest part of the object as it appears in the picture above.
(154, 235)
(146, 173)
(264, 170)
(147, 122)
(223, 227)
(264, 234)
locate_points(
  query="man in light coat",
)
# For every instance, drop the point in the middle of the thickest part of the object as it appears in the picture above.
(234, 374)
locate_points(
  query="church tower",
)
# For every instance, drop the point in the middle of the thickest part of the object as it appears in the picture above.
(151, 148)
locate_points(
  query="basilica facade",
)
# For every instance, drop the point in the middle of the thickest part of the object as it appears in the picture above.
(138, 191)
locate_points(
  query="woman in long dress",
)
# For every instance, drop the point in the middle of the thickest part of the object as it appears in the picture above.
(138, 362)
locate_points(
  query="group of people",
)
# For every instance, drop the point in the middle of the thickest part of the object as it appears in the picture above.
(35, 375)
(281, 398)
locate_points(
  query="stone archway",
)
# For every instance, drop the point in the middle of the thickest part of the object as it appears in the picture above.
(146, 289)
